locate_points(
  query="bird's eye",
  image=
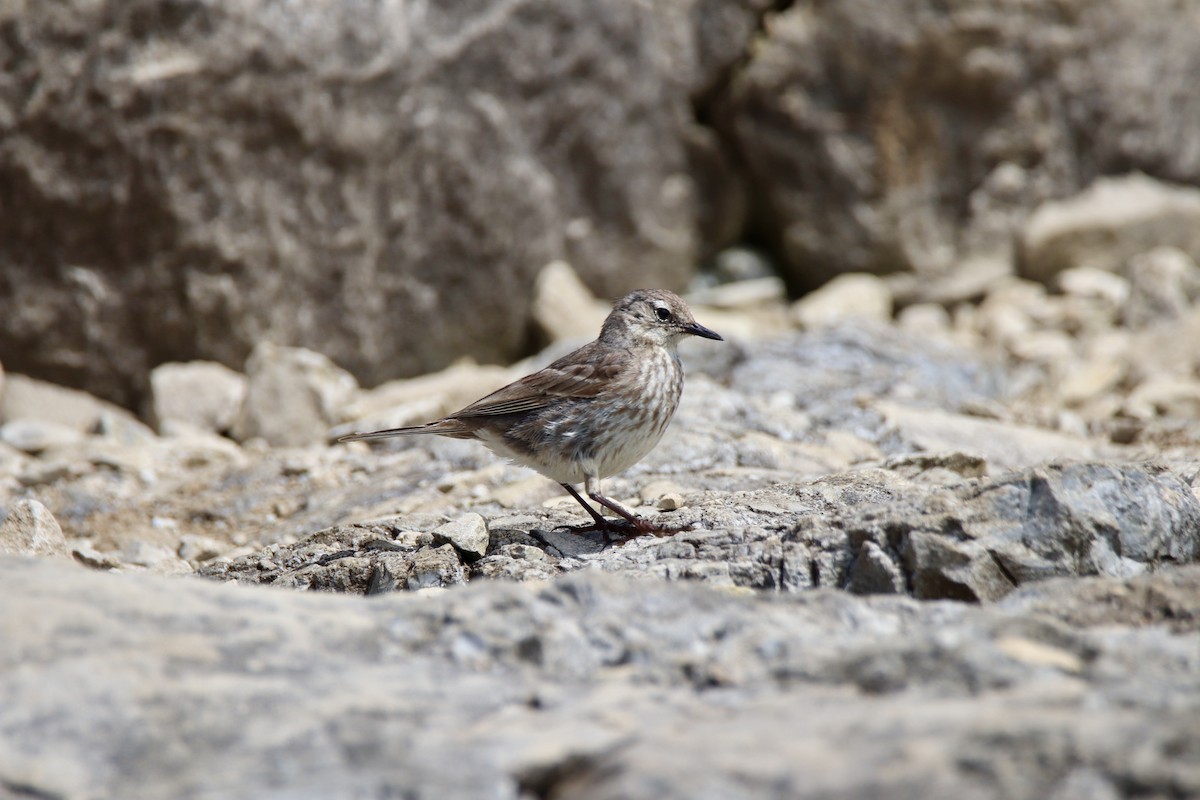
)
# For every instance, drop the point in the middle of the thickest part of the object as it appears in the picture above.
(663, 314)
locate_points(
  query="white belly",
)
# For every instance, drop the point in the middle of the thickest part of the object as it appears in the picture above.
(604, 436)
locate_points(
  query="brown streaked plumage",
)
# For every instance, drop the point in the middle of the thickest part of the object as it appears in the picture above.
(592, 413)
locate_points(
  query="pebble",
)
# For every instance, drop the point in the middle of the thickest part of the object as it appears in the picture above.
(468, 533)
(29, 529)
(672, 501)
(202, 395)
(849, 296)
(37, 435)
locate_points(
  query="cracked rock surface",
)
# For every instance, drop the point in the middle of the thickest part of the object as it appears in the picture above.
(890, 560)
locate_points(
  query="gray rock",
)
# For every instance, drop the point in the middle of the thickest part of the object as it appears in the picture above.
(593, 686)
(196, 549)
(939, 156)
(847, 297)
(1164, 284)
(1111, 222)
(436, 567)
(29, 529)
(37, 435)
(26, 398)
(343, 192)
(871, 531)
(200, 394)
(1003, 446)
(468, 534)
(293, 396)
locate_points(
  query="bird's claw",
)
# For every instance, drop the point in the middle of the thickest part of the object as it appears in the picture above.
(625, 530)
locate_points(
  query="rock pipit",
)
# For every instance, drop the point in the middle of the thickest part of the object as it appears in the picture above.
(592, 413)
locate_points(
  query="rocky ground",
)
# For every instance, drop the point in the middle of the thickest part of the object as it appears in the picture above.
(945, 553)
(941, 513)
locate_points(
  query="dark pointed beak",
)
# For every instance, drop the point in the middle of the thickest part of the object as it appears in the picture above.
(696, 329)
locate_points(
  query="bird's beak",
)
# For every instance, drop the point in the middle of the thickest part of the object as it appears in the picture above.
(696, 329)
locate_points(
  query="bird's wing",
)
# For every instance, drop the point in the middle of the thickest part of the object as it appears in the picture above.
(569, 377)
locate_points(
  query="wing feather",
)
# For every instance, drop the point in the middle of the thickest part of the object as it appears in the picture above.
(573, 376)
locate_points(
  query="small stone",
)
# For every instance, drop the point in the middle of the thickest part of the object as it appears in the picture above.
(197, 549)
(651, 491)
(525, 552)
(1043, 347)
(85, 553)
(30, 529)
(875, 572)
(747, 294)
(1165, 282)
(1088, 282)
(12, 460)
(742, 265)
(1107, 224)
(925, 319)
(1165, 396)
(37, 435)
(672, 501)
(30, 399)
(435, 567)
(203, 395)
(155, 558)
(468, 533)
(293, 396)
(849, 296)
(1090, 380)
(1039, 654)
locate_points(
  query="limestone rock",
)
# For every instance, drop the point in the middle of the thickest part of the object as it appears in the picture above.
(29, 529)
(36, 435)
(293, 396)
(200, 394)
(468, 534)
(846, 297)
(1112, 221)
(594, 687)
(888, 137)
(26, 398)
(1164, 284)
(370, 186)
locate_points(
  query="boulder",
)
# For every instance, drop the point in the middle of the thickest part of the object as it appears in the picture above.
(593, 686)
(915, 135)
(1108, 224)
(378, 182)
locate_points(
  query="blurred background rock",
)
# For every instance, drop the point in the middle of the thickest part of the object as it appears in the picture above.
(384, 182)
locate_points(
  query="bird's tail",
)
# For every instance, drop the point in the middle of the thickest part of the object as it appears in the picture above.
(441, 427)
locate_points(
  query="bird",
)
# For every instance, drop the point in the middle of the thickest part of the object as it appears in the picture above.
(591, 414)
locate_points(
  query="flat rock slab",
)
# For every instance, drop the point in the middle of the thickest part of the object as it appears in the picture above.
(593, 686)
(870, 531)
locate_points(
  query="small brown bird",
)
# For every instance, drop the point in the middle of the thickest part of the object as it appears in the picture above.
(592, 413)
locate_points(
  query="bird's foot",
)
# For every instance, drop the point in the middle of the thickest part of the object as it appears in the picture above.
(624, 530)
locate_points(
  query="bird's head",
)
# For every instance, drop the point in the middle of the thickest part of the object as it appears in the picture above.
(652, 316)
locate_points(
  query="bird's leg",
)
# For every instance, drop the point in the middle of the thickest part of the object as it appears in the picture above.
(624, 530)
(633, 519)
(643, 526)
(600, 521)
